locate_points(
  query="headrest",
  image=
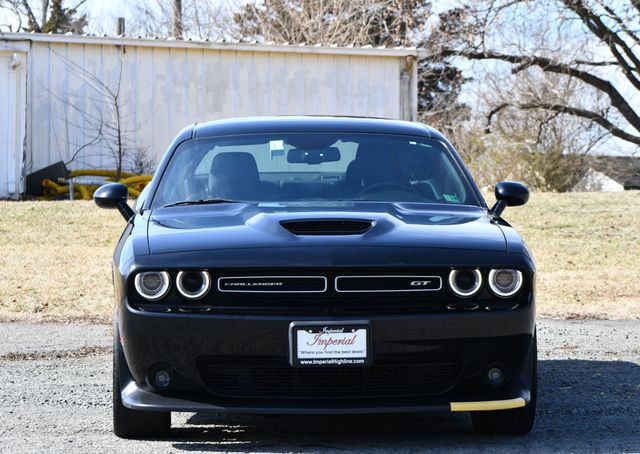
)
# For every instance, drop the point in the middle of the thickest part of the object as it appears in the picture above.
(240, 165)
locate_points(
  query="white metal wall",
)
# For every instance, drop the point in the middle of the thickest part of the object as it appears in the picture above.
(167, 85)
(12, 117)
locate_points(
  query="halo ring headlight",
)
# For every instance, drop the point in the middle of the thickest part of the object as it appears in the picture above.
(505, 282)
(455, 287)
(152, 285)
(187, 289)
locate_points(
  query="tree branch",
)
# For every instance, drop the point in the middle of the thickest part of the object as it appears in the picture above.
(546, 64)
(595, 24)
(492, 113)
(575, 111)
(616, 18)
(595, 63)
(32, 17)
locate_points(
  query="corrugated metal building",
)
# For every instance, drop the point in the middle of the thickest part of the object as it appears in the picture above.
(62, 96)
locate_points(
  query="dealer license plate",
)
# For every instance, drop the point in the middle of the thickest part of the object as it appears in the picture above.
(329, 344)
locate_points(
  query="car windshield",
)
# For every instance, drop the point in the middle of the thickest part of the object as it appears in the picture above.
(324, 167)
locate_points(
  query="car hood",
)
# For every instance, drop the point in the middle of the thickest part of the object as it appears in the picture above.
(244, 225)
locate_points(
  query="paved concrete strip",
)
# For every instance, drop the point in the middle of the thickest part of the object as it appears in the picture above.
(589, 401)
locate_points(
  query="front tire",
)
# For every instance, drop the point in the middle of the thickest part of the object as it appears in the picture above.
(518, 421)
(133, 424)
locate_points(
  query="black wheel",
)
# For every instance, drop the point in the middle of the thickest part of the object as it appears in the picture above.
(129, 423)
(518, 421)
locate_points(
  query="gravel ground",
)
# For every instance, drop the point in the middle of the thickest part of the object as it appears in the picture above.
(55, 397)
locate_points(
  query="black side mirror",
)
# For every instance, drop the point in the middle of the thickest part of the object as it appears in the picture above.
(509, 193)
(114, 195)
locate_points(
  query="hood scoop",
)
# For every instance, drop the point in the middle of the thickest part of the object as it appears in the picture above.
(327, 226)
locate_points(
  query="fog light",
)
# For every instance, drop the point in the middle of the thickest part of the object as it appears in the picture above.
(495, 376)
(161, 377)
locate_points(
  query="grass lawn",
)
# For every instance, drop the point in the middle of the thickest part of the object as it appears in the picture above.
(55, 256)
(587, 247)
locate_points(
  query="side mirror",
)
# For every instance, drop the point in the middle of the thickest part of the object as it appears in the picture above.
(114, 195)
(509, 193)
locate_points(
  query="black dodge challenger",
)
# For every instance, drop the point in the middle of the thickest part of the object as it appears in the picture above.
(320, 265)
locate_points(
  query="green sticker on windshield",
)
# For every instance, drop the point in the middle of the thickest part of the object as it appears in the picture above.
(451, 198)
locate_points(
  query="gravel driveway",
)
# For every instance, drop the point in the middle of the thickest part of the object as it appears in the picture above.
(55, 385)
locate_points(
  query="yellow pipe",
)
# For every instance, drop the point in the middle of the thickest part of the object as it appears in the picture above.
(98, 173)
(47, 183)
(138, 186)
(136, 179)
(488, 405)
(84, 191)
(134, 192)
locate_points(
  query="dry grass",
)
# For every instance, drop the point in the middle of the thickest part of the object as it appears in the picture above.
(55, 256)
(587, 247)
(56, 260)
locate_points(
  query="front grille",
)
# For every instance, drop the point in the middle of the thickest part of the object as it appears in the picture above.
(388, 283)
(327, 226)
(273, 284)
(227, 378)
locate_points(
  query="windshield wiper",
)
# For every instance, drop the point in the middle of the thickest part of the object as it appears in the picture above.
(200, 202)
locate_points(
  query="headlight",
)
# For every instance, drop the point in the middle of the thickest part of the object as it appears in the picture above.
(193, 284)
(465, 283)
(504, 282)
(152, 285)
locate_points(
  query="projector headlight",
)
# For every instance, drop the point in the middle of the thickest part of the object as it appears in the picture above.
(152, 285)
(465, 282)
(505, 282)
(193, 284)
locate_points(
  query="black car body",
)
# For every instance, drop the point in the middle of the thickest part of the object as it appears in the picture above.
(385, 281)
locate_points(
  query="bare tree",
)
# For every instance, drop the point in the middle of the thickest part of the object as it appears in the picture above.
(104, 119)
(49, 16)
(344, 22)
(541, 35)
(199, 20)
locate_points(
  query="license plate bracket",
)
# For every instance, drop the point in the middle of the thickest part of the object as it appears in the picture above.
(325, 344)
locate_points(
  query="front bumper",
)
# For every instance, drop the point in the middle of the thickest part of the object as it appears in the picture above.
(136, 398)
(475, 340)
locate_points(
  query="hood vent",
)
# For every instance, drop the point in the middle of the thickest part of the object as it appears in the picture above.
(327, 226)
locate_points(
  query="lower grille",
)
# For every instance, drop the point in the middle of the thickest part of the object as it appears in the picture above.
(281, 381)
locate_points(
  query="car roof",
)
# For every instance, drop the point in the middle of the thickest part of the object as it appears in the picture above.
(252, 125)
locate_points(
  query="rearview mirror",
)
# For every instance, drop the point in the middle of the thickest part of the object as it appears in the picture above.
(509, 193)
(313, 156)
(114, 195)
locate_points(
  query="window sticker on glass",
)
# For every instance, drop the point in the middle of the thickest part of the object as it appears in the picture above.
(276, 147)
